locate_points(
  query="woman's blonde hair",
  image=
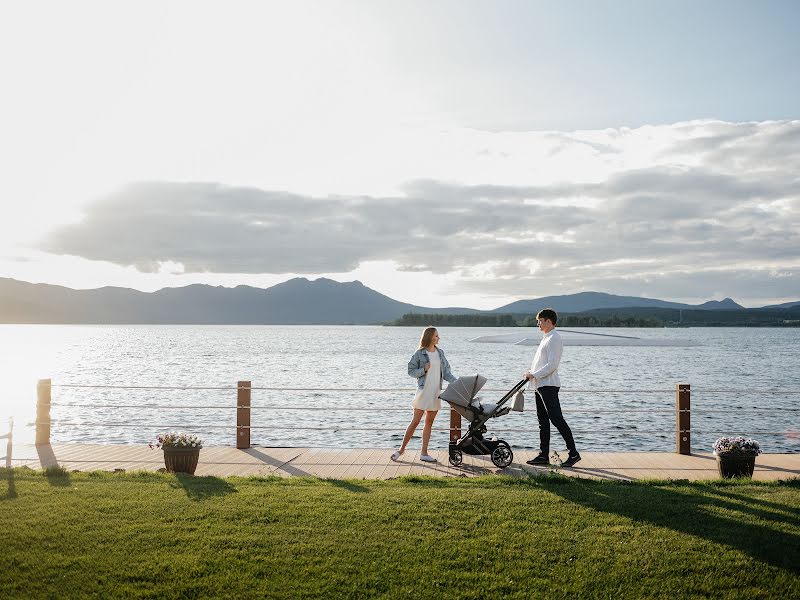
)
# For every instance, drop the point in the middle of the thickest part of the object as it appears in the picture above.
(427, 337)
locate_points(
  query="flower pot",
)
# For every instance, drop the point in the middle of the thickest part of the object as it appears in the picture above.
(736, 466)
(181, 460)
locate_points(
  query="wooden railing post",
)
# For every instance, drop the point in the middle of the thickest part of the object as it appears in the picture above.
(43, 400)
(243, 414)
(10, 442)
(683, 421)
(455, 425)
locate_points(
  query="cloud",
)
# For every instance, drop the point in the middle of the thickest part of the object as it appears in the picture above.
(711, 203)
(770, 145)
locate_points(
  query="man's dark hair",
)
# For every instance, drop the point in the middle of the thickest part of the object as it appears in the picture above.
(548, 313)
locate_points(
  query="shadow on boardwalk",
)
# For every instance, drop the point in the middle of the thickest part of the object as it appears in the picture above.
(767, 531)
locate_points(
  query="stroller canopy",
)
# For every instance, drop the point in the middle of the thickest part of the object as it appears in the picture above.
(462, 391)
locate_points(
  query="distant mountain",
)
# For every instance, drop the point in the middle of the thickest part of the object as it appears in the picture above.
(294, 302)
(584, 301)
(784, 305)
(726, 304)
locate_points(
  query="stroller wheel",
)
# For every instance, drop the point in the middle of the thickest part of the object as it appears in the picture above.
(456, 457)
(502, 456)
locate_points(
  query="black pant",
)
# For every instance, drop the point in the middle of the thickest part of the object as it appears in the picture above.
(548, 408)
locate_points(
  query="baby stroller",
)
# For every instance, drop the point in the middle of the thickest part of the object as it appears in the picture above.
(461, 396)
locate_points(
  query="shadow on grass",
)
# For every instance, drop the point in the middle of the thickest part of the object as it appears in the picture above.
(771, 510)
(349, 485)
(7, 475)
(698, 514)
(425, 480)
(57, 476)
(200, 488)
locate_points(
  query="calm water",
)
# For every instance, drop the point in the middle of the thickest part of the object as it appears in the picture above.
(730, 359)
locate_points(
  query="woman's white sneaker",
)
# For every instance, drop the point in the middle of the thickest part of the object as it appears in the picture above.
(427, 458)
(396, 456)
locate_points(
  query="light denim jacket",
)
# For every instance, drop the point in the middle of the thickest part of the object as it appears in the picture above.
(416, 367)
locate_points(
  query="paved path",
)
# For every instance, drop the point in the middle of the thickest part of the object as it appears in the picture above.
(374, 463)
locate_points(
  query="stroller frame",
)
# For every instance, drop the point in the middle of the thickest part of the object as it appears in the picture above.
(473, 442)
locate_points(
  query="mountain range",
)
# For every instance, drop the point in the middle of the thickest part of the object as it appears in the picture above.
(584, 301)
(294, 302)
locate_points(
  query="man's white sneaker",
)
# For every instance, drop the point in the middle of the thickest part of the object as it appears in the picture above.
(427, 458)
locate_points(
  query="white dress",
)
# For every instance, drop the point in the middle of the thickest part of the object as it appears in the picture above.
(428, 397)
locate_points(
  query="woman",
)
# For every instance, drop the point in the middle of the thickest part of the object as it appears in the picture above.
(429, 367)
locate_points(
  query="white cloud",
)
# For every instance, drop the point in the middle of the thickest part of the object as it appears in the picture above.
(655, 225)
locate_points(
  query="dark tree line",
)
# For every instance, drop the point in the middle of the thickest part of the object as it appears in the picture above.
(630, 317)
(472, 320)
(508, 320)
(613, 321)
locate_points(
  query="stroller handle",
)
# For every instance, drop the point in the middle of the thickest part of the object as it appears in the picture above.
(511, 392)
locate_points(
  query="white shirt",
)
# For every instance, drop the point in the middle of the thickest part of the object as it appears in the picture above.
(545, 364)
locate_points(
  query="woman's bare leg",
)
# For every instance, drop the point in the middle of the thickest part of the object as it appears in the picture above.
(412, 427)
(430, 415)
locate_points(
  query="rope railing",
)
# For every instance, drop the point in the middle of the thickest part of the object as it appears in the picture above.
(334, 389)
(628, 430)
(740, 409)
(316, 427)
(329, 408)
(244, 409)
(740, 390)
(141, 387)
(394, 409)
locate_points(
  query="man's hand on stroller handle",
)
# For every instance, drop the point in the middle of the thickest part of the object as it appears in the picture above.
(529, 376)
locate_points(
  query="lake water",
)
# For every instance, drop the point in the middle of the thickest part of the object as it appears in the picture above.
(729, 363)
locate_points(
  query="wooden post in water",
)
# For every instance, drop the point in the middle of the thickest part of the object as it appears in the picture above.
(43, 400)
(243, 414)
(683, 421)
(455, 425)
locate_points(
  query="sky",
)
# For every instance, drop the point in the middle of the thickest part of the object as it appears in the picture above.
(443, 153)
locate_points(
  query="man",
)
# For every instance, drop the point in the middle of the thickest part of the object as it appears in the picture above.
(544, 379)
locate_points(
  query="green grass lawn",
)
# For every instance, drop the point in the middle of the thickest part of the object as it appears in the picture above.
(162, 536)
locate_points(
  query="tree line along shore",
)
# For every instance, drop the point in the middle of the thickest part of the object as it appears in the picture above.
(628, 317)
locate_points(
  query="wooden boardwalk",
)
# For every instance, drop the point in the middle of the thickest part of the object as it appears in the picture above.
(374, 463)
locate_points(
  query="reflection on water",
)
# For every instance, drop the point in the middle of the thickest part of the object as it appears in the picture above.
(731, 359)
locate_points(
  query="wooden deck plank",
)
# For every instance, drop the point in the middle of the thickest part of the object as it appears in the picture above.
(328, 465)
(355, 460)
(374, 463)
(367, 464)
(336, 467)
(346, 460)
(380, 460)
(359, 469)
(390, 468)
(407, 461)
(392, 471)
(445, 468)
